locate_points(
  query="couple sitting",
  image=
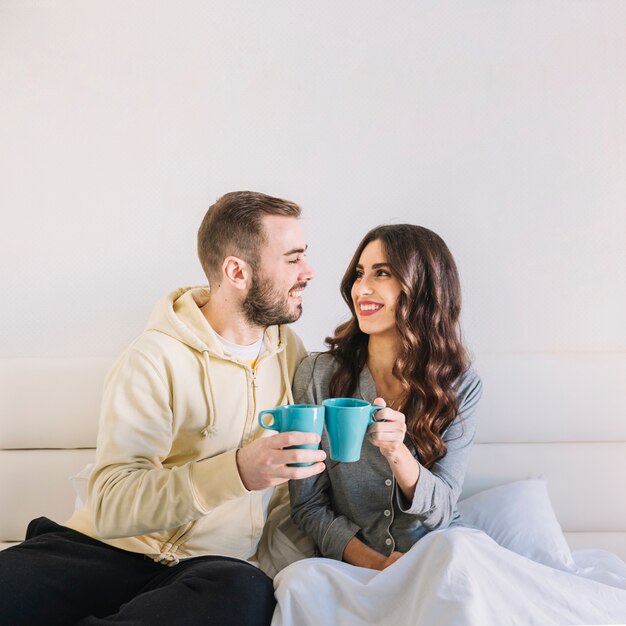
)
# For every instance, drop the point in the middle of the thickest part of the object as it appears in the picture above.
(184, 476)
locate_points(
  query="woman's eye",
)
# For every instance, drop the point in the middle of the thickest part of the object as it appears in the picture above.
(383, 273)
(358, 274)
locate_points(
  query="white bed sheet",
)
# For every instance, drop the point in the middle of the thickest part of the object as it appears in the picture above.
(454, 577)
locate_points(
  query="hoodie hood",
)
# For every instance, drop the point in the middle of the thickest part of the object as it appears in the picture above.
(178, 315)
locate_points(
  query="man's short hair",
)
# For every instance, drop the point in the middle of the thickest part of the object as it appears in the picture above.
(234, 226)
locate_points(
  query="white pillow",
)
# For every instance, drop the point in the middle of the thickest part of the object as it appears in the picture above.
(520, 517)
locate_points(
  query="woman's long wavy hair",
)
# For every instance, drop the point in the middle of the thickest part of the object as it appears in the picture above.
(432, 355)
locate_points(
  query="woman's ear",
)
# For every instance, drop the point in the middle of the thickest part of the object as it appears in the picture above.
(237, 272)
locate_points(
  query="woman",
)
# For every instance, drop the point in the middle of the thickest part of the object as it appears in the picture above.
(402, 349)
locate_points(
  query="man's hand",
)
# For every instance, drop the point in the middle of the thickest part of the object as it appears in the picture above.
(263, 463)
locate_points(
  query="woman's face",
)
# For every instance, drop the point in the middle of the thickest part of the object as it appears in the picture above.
(375, 292)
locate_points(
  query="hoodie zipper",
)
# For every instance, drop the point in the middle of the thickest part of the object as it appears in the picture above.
(247, 434)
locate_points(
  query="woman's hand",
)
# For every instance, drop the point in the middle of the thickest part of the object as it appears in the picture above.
(388, 436)
(391, 559)
(388, 432)
(358, 553)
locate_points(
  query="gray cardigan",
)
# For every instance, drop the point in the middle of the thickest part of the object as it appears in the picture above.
(361, 499)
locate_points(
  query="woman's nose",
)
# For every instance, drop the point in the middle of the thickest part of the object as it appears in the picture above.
(363, 287)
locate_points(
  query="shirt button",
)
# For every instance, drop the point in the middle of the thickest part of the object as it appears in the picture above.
(387, 512)
(388, 542)
(388, 482)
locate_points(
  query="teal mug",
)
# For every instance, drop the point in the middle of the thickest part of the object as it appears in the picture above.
(347, 419)
(306, 418)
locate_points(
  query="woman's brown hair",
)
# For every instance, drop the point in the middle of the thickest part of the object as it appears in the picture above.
(432, 355)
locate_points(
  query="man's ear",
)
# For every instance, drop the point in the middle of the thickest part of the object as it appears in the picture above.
(237, 272)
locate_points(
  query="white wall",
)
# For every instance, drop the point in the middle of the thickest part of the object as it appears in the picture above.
(499, 124)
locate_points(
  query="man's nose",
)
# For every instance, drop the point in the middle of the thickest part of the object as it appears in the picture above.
(307, 272)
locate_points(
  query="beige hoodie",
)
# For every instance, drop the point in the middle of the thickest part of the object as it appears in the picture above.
(175, 409)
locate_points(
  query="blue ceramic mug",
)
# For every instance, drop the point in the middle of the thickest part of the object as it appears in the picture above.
(306, 418)
(347, 419)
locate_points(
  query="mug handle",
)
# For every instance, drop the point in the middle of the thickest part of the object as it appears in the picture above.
(275, 425)
(373, 410)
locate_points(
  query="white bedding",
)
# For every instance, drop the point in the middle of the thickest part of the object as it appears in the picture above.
(506, 561)
(454, 577)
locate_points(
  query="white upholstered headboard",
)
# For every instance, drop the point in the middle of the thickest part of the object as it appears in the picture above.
(557, 416)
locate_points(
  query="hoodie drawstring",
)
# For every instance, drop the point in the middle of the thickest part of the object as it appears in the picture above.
(282, 359)
(211, 427)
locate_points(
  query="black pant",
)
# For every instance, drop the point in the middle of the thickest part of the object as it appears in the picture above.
(60, 576)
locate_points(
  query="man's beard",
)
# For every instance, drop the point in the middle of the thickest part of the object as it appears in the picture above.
(266, 306)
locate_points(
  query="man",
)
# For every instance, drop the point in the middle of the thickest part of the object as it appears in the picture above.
(183, 476)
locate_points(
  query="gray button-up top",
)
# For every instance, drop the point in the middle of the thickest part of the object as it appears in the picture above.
(362, 499)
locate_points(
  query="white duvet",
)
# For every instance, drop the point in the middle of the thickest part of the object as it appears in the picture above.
(454, 577)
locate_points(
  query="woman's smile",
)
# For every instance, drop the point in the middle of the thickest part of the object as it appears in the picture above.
(367, 308)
